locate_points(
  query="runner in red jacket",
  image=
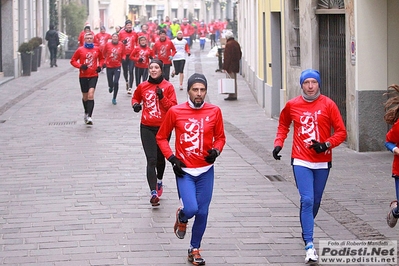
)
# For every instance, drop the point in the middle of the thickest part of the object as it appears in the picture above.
(391, 117)
(314, 117)
(141, 55)
(157, 95)
(114, 54)
(164, 50)
(89, 59)
(129, 38)
(200, 138)
(187, 30)
(102, 38)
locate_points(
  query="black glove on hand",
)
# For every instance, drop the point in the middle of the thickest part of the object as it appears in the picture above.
(177, 165)
(159, 93)
(212, 154)
(319, 147)
(83, 67)
(276, 150)
(137, 107)
(98, 69)
(141, 60)
(124, 41)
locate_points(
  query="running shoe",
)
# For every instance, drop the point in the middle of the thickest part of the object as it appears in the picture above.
(114, 101)
(154, 200)
(194, 257)
(181, 87)
(110, 90)
(129, 91)
(180, 227)
(159, 189)
(391, 219)
(173, 74)
(311, 254)
(89, 121)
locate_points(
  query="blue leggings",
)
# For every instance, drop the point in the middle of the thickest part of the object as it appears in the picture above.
(310, 184)
(195, 193)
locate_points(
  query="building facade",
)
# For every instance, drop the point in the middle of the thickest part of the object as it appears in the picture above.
(353, 43)
(19, 22)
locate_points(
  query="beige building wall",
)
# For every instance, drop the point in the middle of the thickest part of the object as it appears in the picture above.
(263, 61)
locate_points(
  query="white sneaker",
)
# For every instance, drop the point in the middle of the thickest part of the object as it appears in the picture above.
(89, 121)
(129, 91)
(311, 255)
(85, 118)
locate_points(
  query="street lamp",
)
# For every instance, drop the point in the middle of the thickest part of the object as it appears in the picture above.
(208, 4)
(222, 4)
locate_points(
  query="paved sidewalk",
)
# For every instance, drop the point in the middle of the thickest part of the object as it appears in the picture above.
(77, 195)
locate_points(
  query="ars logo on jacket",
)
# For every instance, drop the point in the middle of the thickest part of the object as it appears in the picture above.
(191, 140)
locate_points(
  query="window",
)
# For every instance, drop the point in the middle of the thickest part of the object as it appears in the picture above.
(295, 52)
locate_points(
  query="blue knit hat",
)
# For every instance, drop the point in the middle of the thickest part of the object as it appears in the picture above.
(310, 73)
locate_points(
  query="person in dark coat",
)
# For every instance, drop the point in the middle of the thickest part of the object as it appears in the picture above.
(231, 64)
(53, 41)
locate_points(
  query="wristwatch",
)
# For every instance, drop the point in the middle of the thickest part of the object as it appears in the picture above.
(328, 144)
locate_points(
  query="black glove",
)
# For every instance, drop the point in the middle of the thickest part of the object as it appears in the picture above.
(189, 54)
(104, 65)
(159, 93)
(83, 67)
(177, 165)
(98, 69)
(319, 147)
(141, 60)
(137, 107)
(276, 150)
(212, 154)
(124, 41)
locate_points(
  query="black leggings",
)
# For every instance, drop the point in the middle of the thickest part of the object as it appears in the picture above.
(113, 75)
(155, 159)
(128, 68)
(141, 75)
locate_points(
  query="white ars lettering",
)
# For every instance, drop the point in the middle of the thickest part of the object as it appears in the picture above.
(309, 126)
(192, 138)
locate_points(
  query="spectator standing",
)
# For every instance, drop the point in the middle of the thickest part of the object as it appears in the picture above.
(53, 41)
(164, 50)
(89, 59)
(200, 138)
(154, 97)
(314, 117)
(114, 54)
(231, 64)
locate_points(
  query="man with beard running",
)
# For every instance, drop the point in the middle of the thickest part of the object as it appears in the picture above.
(200, 138)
